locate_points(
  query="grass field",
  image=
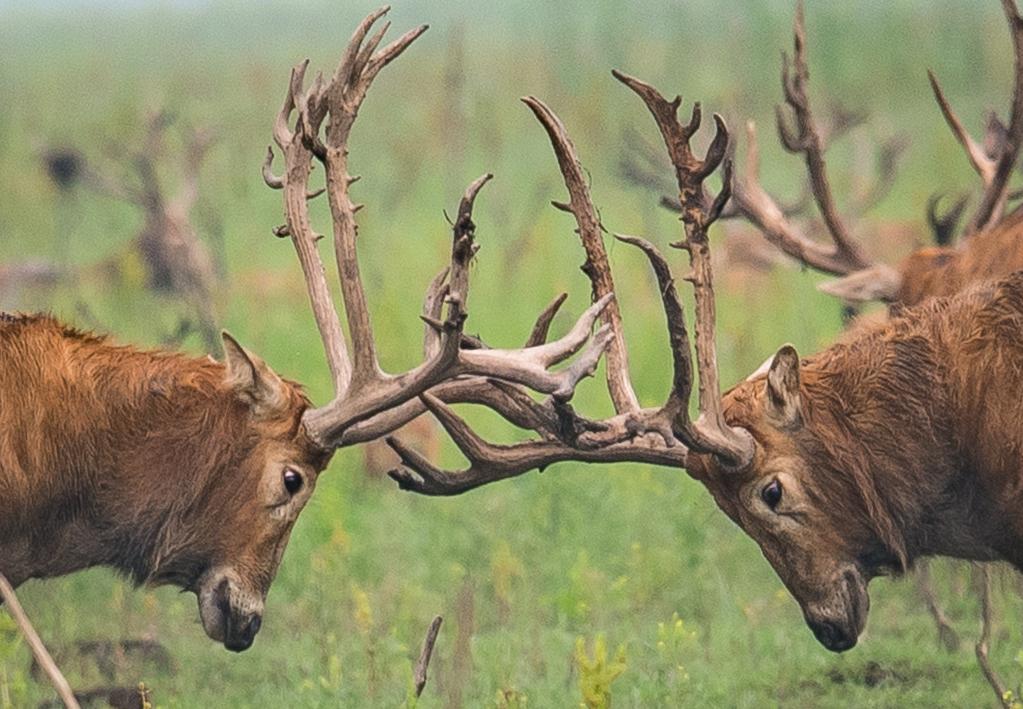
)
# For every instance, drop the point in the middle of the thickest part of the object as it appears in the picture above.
(637, 556)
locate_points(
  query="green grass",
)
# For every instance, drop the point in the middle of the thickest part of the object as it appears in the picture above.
(522, 569)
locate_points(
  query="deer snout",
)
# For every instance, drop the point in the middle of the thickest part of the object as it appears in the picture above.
(230, 614)
(840, 617)
(242, 632)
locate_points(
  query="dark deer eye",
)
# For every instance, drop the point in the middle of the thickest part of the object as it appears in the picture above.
(292, 481)
(771, 494)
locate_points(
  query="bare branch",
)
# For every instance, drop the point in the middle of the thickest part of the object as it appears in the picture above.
(425, 654)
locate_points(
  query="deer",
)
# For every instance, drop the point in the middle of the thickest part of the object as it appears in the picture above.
(187, 471)
(884, 449)
(803, 455)
(990, 241)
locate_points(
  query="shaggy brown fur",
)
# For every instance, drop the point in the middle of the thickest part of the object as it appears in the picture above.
(164, 467)
(907, 443)
(938, 271)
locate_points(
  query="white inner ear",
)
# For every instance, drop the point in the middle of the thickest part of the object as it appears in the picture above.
(253, 379)
(762, 369)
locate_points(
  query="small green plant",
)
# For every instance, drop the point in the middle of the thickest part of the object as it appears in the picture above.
(145, 696)
(1011, 699)
(597, 673)
(675, 641)
(510, 698)
(505, 569)
(13, 685)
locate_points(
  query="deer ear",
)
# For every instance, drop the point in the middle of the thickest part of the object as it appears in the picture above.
(252, 380)
(783, 403)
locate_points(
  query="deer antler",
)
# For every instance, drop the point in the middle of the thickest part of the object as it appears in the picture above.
(362, 389)
(799, 136)
(994, 160)
(664, 435)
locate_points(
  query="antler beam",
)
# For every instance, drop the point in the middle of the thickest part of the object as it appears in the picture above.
(324, 113)
(663, 435)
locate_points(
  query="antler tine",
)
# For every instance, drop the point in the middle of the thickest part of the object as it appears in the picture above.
(294, 183)
(370, 397)
(433, 304)
(889, 155)
(799, 135)
(979, 160)
(439, 290)
(490, 462)
(663, 435)
(341, 99)
(596, 267)
(642, 166)
(710, 432)
(277, 183)
(542, 327)
(511, 401)
(675, 411)
(807, 140)
(369, 402)
(464, 247)
(994, 160)
(992, 203)
(943, 226)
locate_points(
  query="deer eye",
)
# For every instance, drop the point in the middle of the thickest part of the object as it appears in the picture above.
(771, 494)
(292, 481)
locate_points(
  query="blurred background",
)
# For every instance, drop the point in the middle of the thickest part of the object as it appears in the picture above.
(131, 140)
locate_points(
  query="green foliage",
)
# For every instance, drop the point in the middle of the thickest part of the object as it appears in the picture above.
(13, 680)
(510, 699)
(676, 643)
(1014, 699)
(597, 672)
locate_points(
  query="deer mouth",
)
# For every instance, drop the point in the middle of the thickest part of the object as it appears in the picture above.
(229, 616)
(838, 622)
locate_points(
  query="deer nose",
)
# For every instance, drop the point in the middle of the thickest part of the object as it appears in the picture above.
(832, 635)
(241, 634)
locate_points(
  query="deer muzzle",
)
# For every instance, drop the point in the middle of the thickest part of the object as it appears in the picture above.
(840, 617)
(229, 614)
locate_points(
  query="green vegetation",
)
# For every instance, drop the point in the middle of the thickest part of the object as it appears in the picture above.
(635, 556)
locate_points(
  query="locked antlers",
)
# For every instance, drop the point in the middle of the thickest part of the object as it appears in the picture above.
(663, 435)
(315, 123)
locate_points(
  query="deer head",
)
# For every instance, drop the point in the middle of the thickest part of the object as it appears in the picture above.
(294, 441)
